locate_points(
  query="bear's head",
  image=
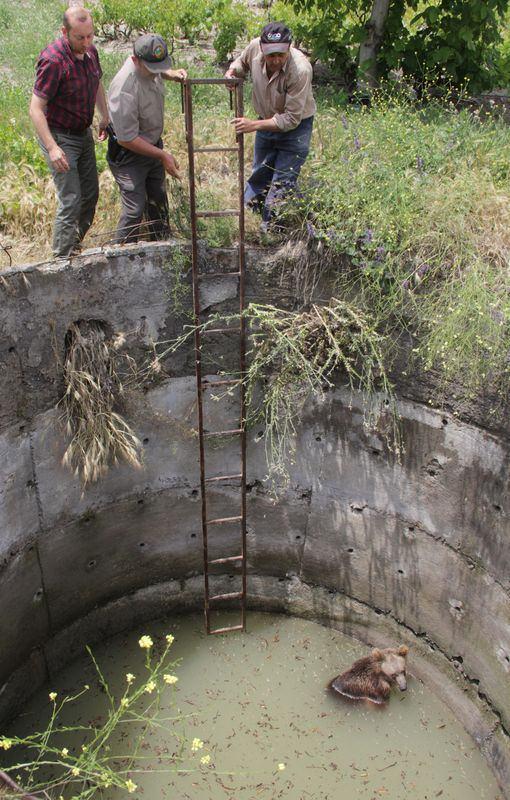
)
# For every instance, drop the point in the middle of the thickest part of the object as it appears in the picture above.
(392, 662)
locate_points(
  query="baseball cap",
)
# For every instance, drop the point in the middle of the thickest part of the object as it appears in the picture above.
(275, 38)
(153, 51)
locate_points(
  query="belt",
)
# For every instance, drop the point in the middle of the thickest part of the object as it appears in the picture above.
(69, 131)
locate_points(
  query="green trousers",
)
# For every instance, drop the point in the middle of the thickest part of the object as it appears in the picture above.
(77, 190)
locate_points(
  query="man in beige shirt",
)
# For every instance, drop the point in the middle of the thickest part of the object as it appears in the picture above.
(135, 149)
(283, 100)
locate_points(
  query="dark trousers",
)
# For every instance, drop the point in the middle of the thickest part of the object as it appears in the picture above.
(77, 190)
(277, 161)
(141, 181)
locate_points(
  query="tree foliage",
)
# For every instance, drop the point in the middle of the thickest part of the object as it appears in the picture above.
(438, 40)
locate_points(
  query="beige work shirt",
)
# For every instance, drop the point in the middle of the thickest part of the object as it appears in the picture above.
(136, 104)
(286, 96)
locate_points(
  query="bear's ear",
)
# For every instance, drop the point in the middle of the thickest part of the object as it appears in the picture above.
(403, 650)
(377, 654)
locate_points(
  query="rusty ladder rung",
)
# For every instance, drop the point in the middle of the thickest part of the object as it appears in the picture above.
(226, 630)
(232, 432)
(216, 149)
(224, 478)
(231, 212)
(222, 520)
(229, 382)
(227, 596)
(221, 330)
(239, 331)
(228, 560)
(218, 275)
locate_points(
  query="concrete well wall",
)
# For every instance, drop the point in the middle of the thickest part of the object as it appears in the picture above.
(414, 550)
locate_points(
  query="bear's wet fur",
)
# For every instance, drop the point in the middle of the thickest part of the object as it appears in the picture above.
(372, 677)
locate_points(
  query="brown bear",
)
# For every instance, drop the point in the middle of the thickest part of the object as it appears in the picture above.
(371, 677)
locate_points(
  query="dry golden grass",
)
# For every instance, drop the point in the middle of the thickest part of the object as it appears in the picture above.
(100, 436)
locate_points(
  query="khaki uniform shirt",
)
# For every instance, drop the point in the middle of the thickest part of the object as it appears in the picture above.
(286, 96)
(136, 104)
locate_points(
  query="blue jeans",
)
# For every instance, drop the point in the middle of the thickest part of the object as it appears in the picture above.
(277, 161)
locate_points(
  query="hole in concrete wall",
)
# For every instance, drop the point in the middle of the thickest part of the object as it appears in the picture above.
(12, 349)
(400, 571)
(146, 441)
(350, 549)
(38, 596)
(193, 536)
(85, 324)
(356, 509)
(298, 537)
(92, 563)
(497, 508)
(140, 501)
(194, 493)
(444, 421)
(21, 428)
(318, 438)
(142, 544)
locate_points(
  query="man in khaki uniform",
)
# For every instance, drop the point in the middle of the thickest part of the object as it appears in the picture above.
(283, 100)
(135, 149)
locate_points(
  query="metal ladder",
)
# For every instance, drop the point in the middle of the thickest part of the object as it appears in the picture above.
(238, 558)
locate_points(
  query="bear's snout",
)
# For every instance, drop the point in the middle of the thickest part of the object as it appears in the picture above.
(401, 682)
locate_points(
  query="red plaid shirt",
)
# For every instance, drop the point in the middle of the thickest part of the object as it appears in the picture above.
(69, 84)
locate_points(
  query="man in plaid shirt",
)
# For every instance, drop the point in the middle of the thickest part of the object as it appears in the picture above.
(67, 88)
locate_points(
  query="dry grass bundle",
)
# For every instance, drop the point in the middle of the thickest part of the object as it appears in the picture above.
(100, 436)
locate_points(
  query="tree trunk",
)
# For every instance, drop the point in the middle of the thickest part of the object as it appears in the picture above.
(367, 67)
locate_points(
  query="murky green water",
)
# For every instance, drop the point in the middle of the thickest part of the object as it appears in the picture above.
(259, 700)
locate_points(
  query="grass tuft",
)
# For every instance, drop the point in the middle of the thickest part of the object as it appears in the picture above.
(100, 436)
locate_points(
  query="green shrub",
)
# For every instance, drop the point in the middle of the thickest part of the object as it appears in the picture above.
(193, 18)
(233, 21)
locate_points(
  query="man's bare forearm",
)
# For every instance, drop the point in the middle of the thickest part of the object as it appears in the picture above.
(101, 104)
(38, 117)
(143, 148)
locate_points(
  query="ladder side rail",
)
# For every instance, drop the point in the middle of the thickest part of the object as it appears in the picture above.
(188, 116)
(239, 110)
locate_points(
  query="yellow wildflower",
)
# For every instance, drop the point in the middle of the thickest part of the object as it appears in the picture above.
(281, 767)
(196, 744)
(205, 759)
(130, 677)
(170, 638)
(124, 702)
(170, 679)
(65, 751)
(150, 687)
(145, 642)
(130, 786)
(6, 744)
(75, 771)
(52, 696)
